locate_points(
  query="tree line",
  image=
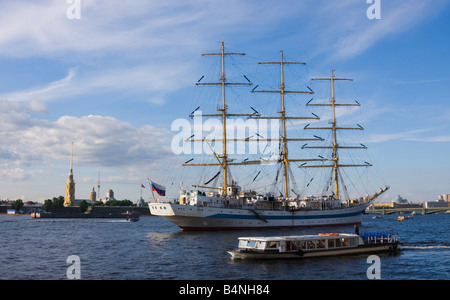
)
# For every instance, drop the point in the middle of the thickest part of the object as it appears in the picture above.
(57, 203)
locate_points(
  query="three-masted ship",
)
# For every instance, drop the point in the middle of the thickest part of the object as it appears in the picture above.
(230, 207)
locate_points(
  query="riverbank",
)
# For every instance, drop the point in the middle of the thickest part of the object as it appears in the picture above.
(92, 212)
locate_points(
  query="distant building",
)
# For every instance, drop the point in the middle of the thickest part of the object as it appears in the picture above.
(374, 205)
(435, 204)
(399, 200)
(140, 202)
(93, 195)
(109, 196)
(444, 197)
(76, 202)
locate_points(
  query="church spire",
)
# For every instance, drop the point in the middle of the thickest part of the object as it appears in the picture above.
(71, 161)
(69, 198)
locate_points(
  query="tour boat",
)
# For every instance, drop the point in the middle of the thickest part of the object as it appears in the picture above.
(319, 245)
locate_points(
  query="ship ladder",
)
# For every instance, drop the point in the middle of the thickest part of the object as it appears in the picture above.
(258, 215)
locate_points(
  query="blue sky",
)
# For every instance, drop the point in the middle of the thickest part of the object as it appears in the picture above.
(114, 80)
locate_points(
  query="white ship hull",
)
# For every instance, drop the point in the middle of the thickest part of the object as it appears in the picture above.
(189, 217)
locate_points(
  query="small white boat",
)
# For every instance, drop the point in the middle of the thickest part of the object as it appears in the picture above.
(304, 246)
(132, 217)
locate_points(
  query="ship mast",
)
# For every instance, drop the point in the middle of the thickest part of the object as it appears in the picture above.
(284, 153)
(224, 114)
(335, 146)
(222, 160)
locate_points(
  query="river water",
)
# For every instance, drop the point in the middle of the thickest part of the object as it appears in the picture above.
(153, 248)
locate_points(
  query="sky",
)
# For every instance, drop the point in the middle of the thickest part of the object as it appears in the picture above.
(113, 76)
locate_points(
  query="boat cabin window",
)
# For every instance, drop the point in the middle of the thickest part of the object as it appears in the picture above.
(310, 245)
(272, 245)
(297, 245)
(344, 242)
(242, 243)
(303, 244)
(331, 243)
(251, 244)
(320, 244)
(260, 245)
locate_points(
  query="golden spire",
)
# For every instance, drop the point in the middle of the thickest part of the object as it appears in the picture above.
(71, 161)
(69, 197)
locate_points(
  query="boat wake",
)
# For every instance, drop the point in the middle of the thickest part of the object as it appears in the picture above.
(411, 247)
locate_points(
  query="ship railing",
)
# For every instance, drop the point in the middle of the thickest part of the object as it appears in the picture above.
(378, 237)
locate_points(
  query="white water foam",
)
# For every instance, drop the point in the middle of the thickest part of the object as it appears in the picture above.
(426, 247)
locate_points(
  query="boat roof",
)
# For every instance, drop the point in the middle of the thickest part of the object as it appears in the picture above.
(297, 237)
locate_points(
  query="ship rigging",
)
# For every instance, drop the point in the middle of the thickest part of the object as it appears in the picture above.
(200, 210)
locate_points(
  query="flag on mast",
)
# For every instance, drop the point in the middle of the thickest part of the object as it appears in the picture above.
(161, 190)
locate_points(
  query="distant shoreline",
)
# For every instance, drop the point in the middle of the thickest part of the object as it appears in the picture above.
(67, 212)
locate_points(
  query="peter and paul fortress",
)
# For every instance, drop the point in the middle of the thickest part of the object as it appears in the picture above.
(72, 210)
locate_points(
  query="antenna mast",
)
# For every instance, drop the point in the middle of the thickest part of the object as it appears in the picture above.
(98, 186)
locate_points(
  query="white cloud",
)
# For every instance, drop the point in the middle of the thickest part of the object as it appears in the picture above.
(144, 45)
(38, 94)
(99, 140)
(347, 32)
(18, 174)
(419, 135)
(109, 26)
(145, 79)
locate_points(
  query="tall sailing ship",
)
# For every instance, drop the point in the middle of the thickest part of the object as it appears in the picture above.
(230, 207)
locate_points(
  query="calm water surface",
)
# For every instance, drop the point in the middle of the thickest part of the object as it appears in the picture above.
(153, 248)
